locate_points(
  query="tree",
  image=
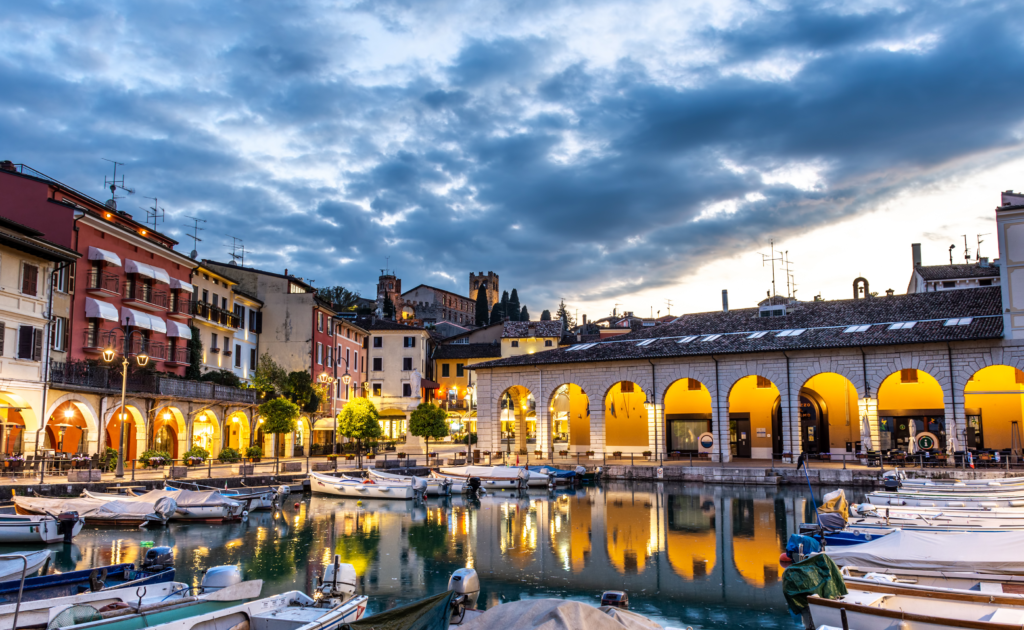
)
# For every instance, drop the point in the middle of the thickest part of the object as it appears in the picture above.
(340, 298)
(194, 371)
(388, 308)
(359, 420)
(278, 415)
(269, 378)
(563, 314)
(513, 306)
(524, 315)
(504, 305)
(222, 377)
(496, 313)
(545, 315)
(428, 421)
(481, 307)
(299, 389)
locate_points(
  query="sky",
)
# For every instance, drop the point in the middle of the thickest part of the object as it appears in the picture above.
(615, 154)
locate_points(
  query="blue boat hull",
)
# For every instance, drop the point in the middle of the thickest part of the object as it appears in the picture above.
(75, 582)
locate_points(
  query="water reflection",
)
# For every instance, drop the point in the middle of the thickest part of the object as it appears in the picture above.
(688, 555)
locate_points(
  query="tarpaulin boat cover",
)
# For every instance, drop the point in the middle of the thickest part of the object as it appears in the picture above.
(554, 472)
(816, 575)
(98, 509)
(979, 552)
(486, 472)
(835, 503)
(189, 498)
(558, 614)
(431, 613)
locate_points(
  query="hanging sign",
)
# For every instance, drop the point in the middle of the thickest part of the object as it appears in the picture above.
(927, 441)
(706, 442)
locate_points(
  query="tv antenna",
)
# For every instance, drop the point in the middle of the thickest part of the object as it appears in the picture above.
(977, 250)
(967, 252)
(195, 235)
(668, 303)
(766, 258)
(790, 278)
(237, 251)
(114, 183)
(155, 213)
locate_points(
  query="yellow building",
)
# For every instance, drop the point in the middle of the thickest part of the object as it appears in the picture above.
(451, 369)
(530, 337)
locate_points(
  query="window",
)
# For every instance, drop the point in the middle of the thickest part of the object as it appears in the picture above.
(30, 343)
(515, 343)
(239, 311)
(319, 353)
(948, 284)
(378, 342)
(647, 342)
(958, 321)
(348, 356)
(29, 279)
(227, 343)
(908, 376)
(3, 334)
(407, 390)
(213, 346)
(378, 364)
(547, 343)
(688, 339)
(238, 355)
(410, 342)
(252, 359)
(626, 387)
(460, 370)
(445, 370)
(710, 338)
(294, 288)
(763, 383)
(206, 296)
(59, 337)
(376, 389)
(60, 279)
(252, 320)
(407, 364)
(224, 303)
(857, 329)
(216, 300)
(693, 385)
(319, 321)
(987, 282)
(791, 333)
(757, 335)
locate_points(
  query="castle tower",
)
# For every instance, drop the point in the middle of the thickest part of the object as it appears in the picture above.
(389, 285)
(488, 282)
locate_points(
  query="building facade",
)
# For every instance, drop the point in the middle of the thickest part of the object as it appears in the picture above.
(398, 372)
(438, 307)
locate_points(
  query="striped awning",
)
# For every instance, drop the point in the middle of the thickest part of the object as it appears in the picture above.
(149, 271)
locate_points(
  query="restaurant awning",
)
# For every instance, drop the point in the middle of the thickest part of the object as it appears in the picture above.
(429, 384)
(181, 284)
(176, 329)
(103, 310)
(391, 414)
(149, 271)
(95, 253)
(139, 319)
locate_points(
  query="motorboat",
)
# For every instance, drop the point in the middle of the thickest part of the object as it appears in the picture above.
(940, 581)
(366, 488)
(867, 515)
(252, 499)
(557, 475)
(491, 477)
(949, 500)
(436, 486)
(206, 506)
(455, 485)
(873, 610)
(535, 478)
(978, 552)
(12, 565)
(39, 528)
(956, 484)
(132, 608)
(107, 512)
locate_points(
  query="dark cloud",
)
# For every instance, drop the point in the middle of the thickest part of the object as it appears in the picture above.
(515, 153)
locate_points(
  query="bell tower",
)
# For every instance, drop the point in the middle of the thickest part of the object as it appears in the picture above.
(490, 284)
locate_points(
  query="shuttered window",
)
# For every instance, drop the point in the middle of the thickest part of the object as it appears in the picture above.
(59, 334)
(29, 279)
(3, 335)
(37, 344)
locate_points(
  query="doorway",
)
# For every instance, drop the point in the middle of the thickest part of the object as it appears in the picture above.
(739, 430)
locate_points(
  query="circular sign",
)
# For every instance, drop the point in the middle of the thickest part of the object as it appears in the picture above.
(706, 440)
(927, 441)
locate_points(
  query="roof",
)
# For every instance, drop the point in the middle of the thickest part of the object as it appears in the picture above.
(477, 329)
(427, 286)
(378, 324)
(541, 329)
(26, 239)
(823, 324)
(467, 351)
(957, 272)
(303, 283)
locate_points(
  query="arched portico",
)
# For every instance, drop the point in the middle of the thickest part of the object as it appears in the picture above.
(688, 415)
(911, 411)
(134, 430)
(755, 415)
(518, 414)
(236, 431)
(570, 419)
(994, 411)
(206, 432)
(169, 433)
(627, 419)
(829, 416)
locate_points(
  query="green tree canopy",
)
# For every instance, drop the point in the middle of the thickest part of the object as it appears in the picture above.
(300, 390)
(429, 421)
(563, 314)
(513, 306)
(481, 307)
(340, 298)
(388, 308)
(545, 315)
(496, 313)
(269, 377)
(278, 415)
(194, 371)
(524, 315)
(359, 420)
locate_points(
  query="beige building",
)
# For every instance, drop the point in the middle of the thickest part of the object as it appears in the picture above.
(529, 337)
(228, 322)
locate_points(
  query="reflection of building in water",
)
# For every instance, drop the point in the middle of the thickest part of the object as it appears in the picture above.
(519, 530)
(571, 531)
(690, 538)
(757, 540)
(628, 519)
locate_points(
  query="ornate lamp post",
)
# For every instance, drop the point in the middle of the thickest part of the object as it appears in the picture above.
(469, 414)
(328, 381)
(109, 353)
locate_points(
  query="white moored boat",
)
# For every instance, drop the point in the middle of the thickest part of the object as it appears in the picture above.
(491, 477)
(117, 512)
(868, 515)
(366, 488)
(31, 528)
(436, 487)
(870, 610)
(206, 506)
(11, 568)
(999, 553)
(455, 486)
(914, 580)
(289, 611)
(948, 500)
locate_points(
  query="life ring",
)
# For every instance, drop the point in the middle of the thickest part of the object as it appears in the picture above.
(368, 482)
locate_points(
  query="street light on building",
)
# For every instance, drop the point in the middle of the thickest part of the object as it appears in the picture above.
(109, 353)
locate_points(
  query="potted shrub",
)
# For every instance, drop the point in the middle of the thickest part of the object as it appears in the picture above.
(16, 462)
(370, 455)
(590, 453)
(154, 459)
(254, 453)
(349, 457)
(195, 456)
(616, 454)
(229, 456)
(647, 453)
(563, 453)
(401, 456)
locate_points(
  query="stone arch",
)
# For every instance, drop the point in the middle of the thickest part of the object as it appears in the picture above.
(569, 409)
(754, 418)
(993, 406)
(628, 426)
(134, 432)
(935, 364)
(911, 402)
(83, 415)
(169, 431)
(852, 370)
(297, 444)
(237, 431)
(828, 407)
(689, 410)
(209, 431)
(517, 405)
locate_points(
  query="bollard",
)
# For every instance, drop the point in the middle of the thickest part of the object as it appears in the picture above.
(209, 468)
(42, 469)
(691, 460)
(133, 471)
(631, 459)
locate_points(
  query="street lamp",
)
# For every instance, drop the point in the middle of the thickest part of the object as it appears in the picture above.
(142, 359)
(469, 414)
(327, 381)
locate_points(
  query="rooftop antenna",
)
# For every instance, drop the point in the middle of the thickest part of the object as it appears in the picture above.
(951, 248)
(977, 250)
(790, 278)
(615, 309)
(195, 235)
(668, 303)
(155, 213)
(967, 252)
(237, 251)
(764, 260)
(114, 183)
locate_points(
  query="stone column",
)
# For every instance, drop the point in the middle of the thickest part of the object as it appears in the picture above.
(720, 427)
(597, 442)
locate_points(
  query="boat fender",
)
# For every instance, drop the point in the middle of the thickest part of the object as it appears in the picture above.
(784, 558)
(245, 513)
(296, 505)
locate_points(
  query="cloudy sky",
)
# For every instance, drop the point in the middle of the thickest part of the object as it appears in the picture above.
(607, 152)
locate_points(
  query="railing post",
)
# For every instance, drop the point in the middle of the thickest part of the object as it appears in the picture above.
(209, 468)
(133, 470)
(42, 470)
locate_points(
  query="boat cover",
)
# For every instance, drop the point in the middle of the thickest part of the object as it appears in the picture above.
(835, 503)
(816, 575)
(486, 472)
(188, 498)
(553, 472)
(430, 613)
(99, 509)
(979, 552)
(558, 614)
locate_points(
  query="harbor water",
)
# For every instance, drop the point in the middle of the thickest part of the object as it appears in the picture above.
(688, 555)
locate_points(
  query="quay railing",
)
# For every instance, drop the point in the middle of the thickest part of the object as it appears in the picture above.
(88, 375)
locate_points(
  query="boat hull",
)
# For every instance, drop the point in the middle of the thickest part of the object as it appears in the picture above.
(70, 583)
(889, 612)
(33, 529)
(320, 484)
(943, 501)
(435, 487)
(260, 614)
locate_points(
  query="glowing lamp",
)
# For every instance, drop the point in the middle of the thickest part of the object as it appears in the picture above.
(167, 415)
(108, 354)
(345, 378)
(142, 359)
(648, 405)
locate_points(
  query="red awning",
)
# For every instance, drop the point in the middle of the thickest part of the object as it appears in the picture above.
(429, 384)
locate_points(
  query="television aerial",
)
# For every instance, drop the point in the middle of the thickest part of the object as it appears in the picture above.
(154, 213)
(114, 183)
(195, 235)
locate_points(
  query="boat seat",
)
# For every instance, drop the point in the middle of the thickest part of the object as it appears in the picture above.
(1010, 616)
(865, 598)
(285, 618)
(990, 587)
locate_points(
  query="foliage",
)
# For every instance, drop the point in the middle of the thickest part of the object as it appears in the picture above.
(429, 539)
(278, 415)
(389, 308)
(197, 451)
(150, 454)
(109, 460)
(222, 377)
(497, 314)
(269, 376)
(194, 371)
(340, 298)
(481, 307)
(524, 315)
(299, 389)
(254, 451)
(229, 455)
(545, 315)
(563, 314)
(359, 420)
(429, 421)
(512, 308)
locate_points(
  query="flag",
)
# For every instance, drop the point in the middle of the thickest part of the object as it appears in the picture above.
(970, 459)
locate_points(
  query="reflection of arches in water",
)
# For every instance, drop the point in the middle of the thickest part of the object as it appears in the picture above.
(756, 542)
(518, 532)
(628, 527)
(570, 531)
(691, 540)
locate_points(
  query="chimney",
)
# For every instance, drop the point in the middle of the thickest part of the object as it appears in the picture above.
(584, 319)
(983, 261)
(916, 253)
(725, 300)
(8, 165)
(285, 271)
(890, 292)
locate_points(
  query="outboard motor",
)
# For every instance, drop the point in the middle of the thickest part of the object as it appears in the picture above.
(474, 484)
(892, 484)
(217, 578)
(419, 487)
(466, 584)
(157, 559)
(615, 599)
(339, 583)
(66, 525)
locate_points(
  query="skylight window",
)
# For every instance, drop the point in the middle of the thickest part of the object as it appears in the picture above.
(647, 342)
(902, 325)
(687, 339)
(791, 333)
(710, 338)
(958, 321)
(758, 335)
(581, 347)
(857, 329)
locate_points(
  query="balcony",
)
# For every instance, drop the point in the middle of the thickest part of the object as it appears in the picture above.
(179, 307)
(103, 283)
(95, 340)
(145, 297)
(176, 356)
(216, 316)
(85, 376)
